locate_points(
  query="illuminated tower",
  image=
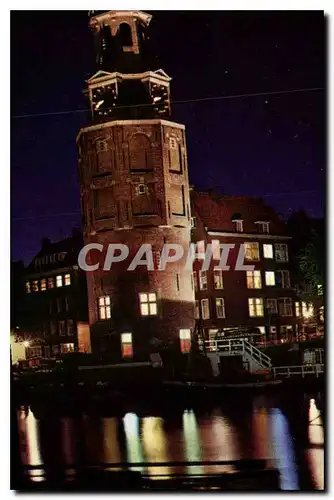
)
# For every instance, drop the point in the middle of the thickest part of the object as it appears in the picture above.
(134, 190)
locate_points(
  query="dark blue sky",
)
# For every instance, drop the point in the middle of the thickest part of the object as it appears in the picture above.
(269, 145)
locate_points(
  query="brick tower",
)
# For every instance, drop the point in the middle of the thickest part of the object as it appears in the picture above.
(134, 190)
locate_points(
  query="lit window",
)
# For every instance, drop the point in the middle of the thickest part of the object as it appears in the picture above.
(270, 278)
(285, 332)
(307, 310)
(252, 251)
(148, 304)
(255, 307)
(285, 306)
(51, 282)
(203, 280)
(192, 222)
(262, 227)
(322, 314)
(28, 289)
(65, 348)
(43, 285)
(104, 307)
(220, 308)
(205, 308)
(59, 280)
(126, 345)
(272, 306)
(200, 249)
(238, 226)
(196, 309)
(70, 327)
(320, 289)
(297, 307)
(215, 249)
(67, 279)
(281, 252)
(218, 279)
(283, 279)
(195, 281)
(268, 251)
(254, 279)
(185, 340)
(262, 329)
(61, 327)
(35, 286)
(34, 352)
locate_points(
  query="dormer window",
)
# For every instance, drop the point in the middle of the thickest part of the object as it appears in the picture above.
(262, 227)
(238, 225)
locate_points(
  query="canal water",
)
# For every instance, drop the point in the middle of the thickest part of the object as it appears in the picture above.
(288, 432)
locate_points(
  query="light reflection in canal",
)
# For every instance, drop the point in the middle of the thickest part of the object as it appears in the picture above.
(263, 432)
(315, 453)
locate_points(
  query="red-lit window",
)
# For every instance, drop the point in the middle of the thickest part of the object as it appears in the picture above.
(185, 340)
(126, 345)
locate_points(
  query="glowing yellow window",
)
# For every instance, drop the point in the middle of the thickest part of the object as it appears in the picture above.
(185, 340)
(67, 279)
(270, 278)
(148, 304)
(254, 279)
(104, 307)
(59, 280)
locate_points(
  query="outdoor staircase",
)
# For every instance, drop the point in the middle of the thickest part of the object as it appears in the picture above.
(253, 358)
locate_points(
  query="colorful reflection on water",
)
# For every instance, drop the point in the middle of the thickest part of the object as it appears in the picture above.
(259, 430)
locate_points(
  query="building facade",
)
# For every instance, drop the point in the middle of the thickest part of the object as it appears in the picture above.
(54, 311)
(264, 297)
(134, 191)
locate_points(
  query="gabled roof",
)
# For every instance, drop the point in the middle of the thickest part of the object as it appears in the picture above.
(99, 74)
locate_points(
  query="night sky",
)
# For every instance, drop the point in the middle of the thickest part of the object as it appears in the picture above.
(269, 145)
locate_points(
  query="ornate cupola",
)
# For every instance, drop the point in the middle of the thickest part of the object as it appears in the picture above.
(125, 85)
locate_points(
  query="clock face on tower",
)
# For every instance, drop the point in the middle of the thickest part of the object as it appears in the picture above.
(104, 100)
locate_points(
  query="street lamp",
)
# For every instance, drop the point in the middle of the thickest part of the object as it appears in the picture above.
(26, 343)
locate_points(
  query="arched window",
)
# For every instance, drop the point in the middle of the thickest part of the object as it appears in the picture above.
(140, 153)
(125, 35)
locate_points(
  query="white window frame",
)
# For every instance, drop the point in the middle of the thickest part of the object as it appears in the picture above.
(252, 277)
(238, 225)
(255, 305)
(271, 310)
(287, 302)
(264, 225)
(269, 277)
(148, 303)
(104, 307)
(253, 245)
(268, 254)
(281, 248)
(205, 304)
(221, 305)
(59, 279)
(218, 282)
(285, 283)
(203, 280)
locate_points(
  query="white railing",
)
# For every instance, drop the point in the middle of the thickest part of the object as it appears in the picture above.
(303, 370)
(235, 347)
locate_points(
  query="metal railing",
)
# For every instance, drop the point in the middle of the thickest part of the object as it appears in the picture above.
(235, 347)
(300, 370)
